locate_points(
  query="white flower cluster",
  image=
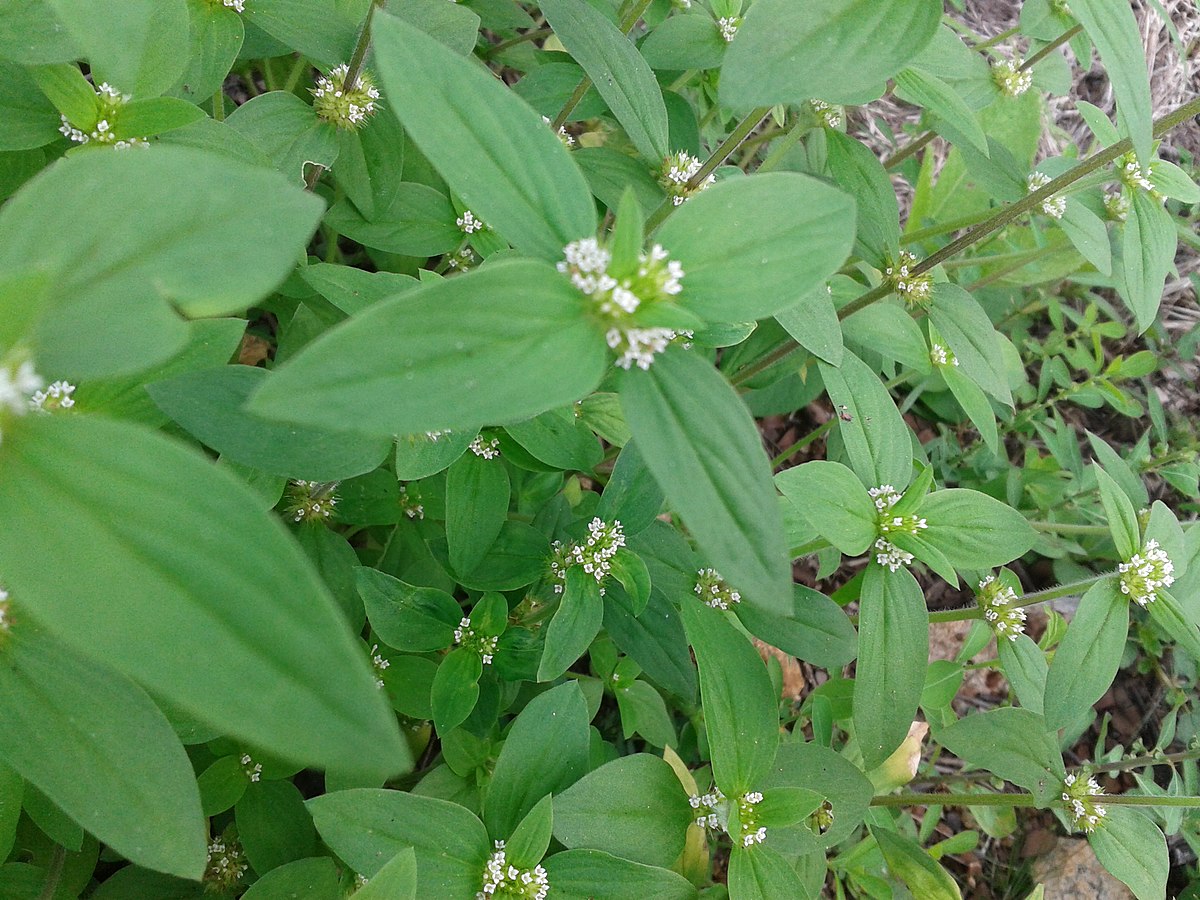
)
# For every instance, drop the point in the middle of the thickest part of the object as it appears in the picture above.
(500, 879)
(344, 106)
(312, 501)
(567, 140)
(752, 832)
(226, 864)
(378, 664)
(466, 636)
(709, 807)
(1133, 174)
(997, 601)
(469, 223)
(915, 289)
(677, 170)
(942, 356)
(413, 508)
(1054, 206)
(657, 278)
(5, 620)
(886, 553)
(822, 818)
(1012, 80)
(1062, 7)
(728, 27)
(1080, 797)
(1145, 573)
(434, 436)
(831, 115)
(594, 554)
(1117, 205)
(682, 4)
(488, 448)
(21, 391)
(56, 396)
(109, 103)
(236, 5)
(252, 769)
(712, 589)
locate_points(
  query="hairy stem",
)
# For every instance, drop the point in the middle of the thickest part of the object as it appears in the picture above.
(627, 23)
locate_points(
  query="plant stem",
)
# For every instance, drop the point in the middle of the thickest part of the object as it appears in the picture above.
(218, 103)
(786, 143)
(801, 444)
(627, 24)
(54, 873)
(998, 39)
(1070, 528)
(810, 547)
(520, 39)
(1137, 762)
(1025, 800)
(913, 146)
(1051, 47)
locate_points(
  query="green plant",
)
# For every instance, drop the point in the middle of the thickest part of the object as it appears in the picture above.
(485, 537)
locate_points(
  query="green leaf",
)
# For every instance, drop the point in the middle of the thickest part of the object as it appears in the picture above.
(575, 623)
(139, 46)
(1089, 233)
(216, 36)
(1131, 847)
(1122, 517)
(531, 838)
(629, 569)
(916, 868)
(973, 530)
(1147, 253)
(834, 502)
(418, 619)
(860, 174)
(840, 51)
(616, 69)
(395, 881)
(287, 130)
(848, 791)
(558, 439)
(593, 875)
(208, 404)
(969, 332)
(954, 116)
(432, 358)
(763, 873)
(644, 712)
(12, 788)
(314, 878)
(419, 456)
(813, 324)
(887, 329)
(180, 580)
(545, 752)
(1167, 612)
(688, 41)
(1121, 472)
(452, 24)
(1025, 667)
(477, 495)
(321, 30)
(875, 438)
(273, 825)
(893, 645)
(455, 688)
(368, 827)
(1086, 661)
(702, 446)
(419, 221)
(155, 115)
(975, 404)
(633, 807)
(1173, 182)
(1113, 28)
(96, 745)
(493, 150)
(656, 642)
(1013, 744)
(816, 630)
(740, 708)
(751, 247)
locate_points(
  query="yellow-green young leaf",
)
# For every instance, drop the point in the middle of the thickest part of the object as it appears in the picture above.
(973, 530)
(916, 868)
(176, 221)
(751, 247)
(1086, 661)
(94, 743)
(497, 345)
(698, 439)
(763, 873)
(1013, 744)
(741, 714)
(595, 875)
(397, 880)
(833, 501)
(893, 645)
(618, 71)
(171, 573)
(1131, 847)
(1147, 252)
(493, 150)
(840, 51)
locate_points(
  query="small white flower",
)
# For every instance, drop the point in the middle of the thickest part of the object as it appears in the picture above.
(56, 396)
(1054, 206)
(16, 386)
(1079, 798)
(502, 879)
(469, 223)
(346, 106)
(488, 449)
(312, 501)
(413, 508)
(109, 104)
(677, 171)
(1012, 80)
(942, 356)
(1145, 573)
(226, 864)
(594, 553)
(997, 603)
(435, 436)
(567, 140)
(915, 289)
(238, 6)
(728, 27)
(379, 663)
(712, 589)
(5, 615)
(1117, 205)
(1133, 175)
(831, 115)
(484, 645)
(252, 769)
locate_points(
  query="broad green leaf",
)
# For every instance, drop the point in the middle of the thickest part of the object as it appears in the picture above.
(617, 70)
(315, 878)
(558, 439)
(1122, 517)
(156, 115)
(477, 495)
(631, 496)
(27, 119)
(418, 619)
(703, 448)
(273, 826)
(516, 559)
(889, 330)
(545, 752)
(763, 873)
(33, 35)
(954, 117)
(840, 51)
(180, 580)
(740, 708)
(876, 440)
(139, 46)
(287, 130)
(1113, 28)
(813, 324)
(969, 332)
(503, 343)
(1174, 182)
(175, 235)
(12, 789)
(1013, 744)
(96, 744)
(216, 35)
(1120, 470)
(916, 868)
(1086, 661)
(1131, 847)
(208, 404)
(594, 875)
(321, 30)
(973, 530)
(811, 765)
(493, 150)
(688, 41)
(656, 642)
(1025, 667)
(368, 827)
(1166, 611)
(419, 221)
(419, 455)
(531, 839)
(452, 24)
(859, 173)
(455, 688)
(834, 502)
(633, 807)
(397, 880)
(751, 247)
(975, 404)
(893, 645)
(816, 630)
(631, 572)
(644, 712)
(1147, 253)
(610, 173)
(353, 290)
(1088, 232)
(576, 622)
